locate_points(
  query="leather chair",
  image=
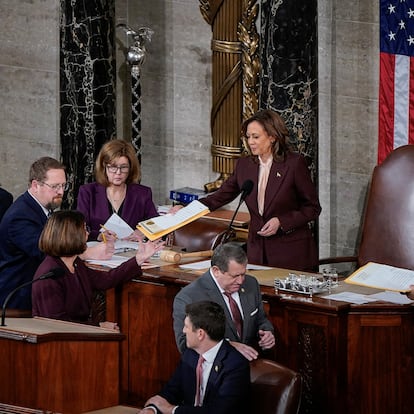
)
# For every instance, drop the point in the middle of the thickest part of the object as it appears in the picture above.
(275, 389)
(388, 225)
(201, 234)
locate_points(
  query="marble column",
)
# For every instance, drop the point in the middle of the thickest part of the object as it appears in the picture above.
(288, 79)
(87, 86)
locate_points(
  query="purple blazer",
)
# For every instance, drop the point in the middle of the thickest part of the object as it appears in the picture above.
(291, 196)
(93, 203)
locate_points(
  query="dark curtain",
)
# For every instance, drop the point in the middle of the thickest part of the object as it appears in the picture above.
(288, 79)
(87, 86)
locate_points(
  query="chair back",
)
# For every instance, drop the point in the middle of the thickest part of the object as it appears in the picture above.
(275, 389)
(388, 229)
(201, 234)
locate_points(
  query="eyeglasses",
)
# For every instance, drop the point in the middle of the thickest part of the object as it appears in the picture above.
(114, 168)
(57, 187)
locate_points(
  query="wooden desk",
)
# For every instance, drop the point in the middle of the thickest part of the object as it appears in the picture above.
(58, 366)
(353, 358)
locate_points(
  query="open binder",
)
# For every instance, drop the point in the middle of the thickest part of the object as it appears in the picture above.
(157, 227)
(382, 276)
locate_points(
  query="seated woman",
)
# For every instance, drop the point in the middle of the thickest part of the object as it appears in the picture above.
(117, 173)
(70, 297)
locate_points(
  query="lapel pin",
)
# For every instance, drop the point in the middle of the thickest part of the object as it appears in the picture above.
(278, 174)
(242, 289)
(216, 368)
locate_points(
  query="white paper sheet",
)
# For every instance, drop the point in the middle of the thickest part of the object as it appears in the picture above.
(205, 264)
(118, 226)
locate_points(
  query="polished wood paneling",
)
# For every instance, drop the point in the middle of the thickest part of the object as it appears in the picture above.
(353, 358)
(149, 356)
(57, 373)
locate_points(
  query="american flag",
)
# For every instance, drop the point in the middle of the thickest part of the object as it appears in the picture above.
(396, 89)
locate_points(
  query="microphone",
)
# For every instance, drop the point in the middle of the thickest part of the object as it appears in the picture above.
(246, 189)
(52, 274)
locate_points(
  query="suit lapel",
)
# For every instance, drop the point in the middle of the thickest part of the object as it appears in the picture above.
(277, 175)
(246, 306)
(216, 369)
(216, 296)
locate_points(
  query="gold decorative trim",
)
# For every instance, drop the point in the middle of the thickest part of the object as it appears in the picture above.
(209, 9)
(224, 90)
(225, 151)
(249, 39)
(225, 46)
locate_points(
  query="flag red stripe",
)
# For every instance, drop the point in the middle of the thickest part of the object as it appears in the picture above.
(386, 106)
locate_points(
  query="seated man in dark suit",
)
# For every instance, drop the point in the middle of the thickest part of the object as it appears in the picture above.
(6, 199)
(21, 226)
(227, 284)
(223, 380)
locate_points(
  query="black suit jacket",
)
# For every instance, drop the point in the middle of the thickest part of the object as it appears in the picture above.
(20, 256)
(228, 385)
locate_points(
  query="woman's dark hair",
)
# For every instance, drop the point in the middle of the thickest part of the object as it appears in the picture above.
(64, 234)
(275, 127)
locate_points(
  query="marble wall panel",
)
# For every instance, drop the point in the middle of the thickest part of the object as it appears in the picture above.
(16, 156)
(356, 135)
(29, 33)
(357, 59)
(357, 10)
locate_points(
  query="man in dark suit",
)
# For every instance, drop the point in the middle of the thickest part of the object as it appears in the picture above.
(21, 226)
(223, 385)
(227, 282)
(6, 199)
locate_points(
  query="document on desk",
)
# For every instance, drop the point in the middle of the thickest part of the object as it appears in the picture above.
(205, 264)
(382, 276)
(160, 226)
(113, 262)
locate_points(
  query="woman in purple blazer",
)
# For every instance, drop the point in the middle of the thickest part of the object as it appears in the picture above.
(283, 201)
(117, 172)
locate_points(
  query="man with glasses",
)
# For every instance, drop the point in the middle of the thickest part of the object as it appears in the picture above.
(227, 284)
(21, 226)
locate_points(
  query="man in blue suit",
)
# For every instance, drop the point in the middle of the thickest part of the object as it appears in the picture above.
(227, 281)
(22, 225)
(6, 199)
(223, 387)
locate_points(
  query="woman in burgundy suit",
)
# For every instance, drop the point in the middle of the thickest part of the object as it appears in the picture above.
(283, 200)
(117, 172)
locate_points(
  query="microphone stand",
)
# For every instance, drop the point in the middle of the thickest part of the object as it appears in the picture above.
(229, 230)
(9, 296)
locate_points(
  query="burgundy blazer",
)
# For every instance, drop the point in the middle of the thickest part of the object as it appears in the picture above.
(290, 196)
(93, 203)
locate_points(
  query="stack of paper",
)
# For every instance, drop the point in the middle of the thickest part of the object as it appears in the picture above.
(160, 226)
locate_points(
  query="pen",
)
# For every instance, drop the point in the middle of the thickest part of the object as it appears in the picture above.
(104, 237)
(111, 233)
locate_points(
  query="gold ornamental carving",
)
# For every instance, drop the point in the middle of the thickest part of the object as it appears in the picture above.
(235, 69)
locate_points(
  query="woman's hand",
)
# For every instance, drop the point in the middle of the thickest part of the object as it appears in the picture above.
(270, 228)
(113, 326)
(175, 208)
(136, 236)
(147, 249)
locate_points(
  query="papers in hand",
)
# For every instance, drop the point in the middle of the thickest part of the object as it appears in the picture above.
(121, 246)
(113, 262)
(118, 226)
(160, 226)
(382, 276)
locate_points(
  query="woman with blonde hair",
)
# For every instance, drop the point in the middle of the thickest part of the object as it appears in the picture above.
(116, 190)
